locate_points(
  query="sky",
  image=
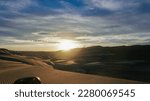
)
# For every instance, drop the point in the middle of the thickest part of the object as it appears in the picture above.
(43, 24)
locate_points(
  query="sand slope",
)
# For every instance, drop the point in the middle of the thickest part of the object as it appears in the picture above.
(13, 67)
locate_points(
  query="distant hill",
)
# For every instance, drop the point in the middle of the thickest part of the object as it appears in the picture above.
(99, 53)
(105, 53)
(4, 51)
(128, 62)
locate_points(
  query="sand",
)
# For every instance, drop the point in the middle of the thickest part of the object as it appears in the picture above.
(12, 70)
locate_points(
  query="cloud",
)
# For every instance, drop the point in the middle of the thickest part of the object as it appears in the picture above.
(144, 7)
(6, 33)
(71, 26)
(93, 22)
(107, 4)
(113, 4)
(96, 12)
(41, 33)
(116, 39)
(15, 5)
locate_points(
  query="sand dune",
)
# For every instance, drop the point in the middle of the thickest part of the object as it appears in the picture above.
(14, 66)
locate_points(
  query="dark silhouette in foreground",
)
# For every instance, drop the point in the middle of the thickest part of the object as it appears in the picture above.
(28, 80)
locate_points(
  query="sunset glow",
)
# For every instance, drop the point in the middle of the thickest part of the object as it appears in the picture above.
(67, 45)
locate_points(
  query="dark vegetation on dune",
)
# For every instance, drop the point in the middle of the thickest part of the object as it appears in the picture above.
(128, 62)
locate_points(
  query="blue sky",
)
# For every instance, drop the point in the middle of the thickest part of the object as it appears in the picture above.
(42, 24)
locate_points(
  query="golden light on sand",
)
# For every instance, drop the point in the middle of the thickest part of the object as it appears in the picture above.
(67, 45)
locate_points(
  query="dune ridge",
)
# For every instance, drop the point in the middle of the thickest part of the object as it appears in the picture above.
(15, 66)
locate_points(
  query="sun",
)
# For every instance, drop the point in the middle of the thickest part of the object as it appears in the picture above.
(67, 45)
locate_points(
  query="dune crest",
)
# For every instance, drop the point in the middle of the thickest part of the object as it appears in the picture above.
(15, 66)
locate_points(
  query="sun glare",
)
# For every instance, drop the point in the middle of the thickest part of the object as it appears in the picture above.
(67, 45)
